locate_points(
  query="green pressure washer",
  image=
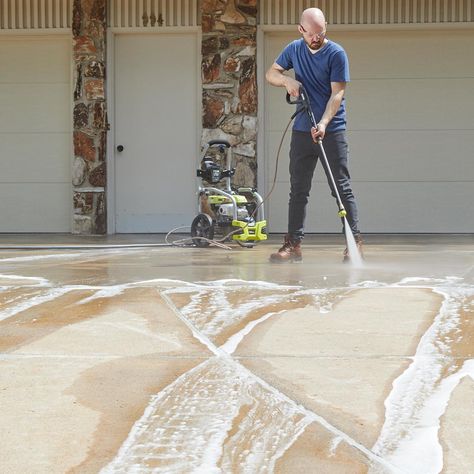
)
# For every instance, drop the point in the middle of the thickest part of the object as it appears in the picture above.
(304, 105)
(231, 213)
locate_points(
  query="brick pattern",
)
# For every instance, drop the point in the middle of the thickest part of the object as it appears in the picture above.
(89, 117)
(228, 70)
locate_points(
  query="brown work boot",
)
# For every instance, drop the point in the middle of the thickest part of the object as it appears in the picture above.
(289, 252)
(359, 242)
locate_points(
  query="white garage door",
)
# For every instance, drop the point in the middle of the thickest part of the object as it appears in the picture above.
(156, 84)
(35, 134)
(410, 128)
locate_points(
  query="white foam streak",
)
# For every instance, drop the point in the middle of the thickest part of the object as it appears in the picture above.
(232, 343)
(186, 428)
(107, 292)
(32, 302)
(421, 450)
(196, 333)
(211, 311)
(334, 444)
(32, 258)
(39, 281)
(409, 436)
(254, 284)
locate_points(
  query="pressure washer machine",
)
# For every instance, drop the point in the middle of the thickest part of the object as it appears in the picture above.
(229, 213)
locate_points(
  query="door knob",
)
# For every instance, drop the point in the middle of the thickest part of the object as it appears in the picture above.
(120, 148)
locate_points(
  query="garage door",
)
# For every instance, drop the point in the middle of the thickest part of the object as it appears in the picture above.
(410, 128)
(35, 131)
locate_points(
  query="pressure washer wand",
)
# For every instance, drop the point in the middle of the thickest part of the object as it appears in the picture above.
(303, 101)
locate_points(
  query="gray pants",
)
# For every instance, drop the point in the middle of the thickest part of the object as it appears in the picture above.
(304, 154)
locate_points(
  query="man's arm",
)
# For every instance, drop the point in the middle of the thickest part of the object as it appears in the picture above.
(334, 102)
(276, 77)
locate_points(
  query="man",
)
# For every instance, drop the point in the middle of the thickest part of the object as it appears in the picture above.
(321, 66)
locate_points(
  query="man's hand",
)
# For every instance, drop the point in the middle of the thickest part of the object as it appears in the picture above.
(319, 132)
(334, 102)
(292, 86)
(276, 77)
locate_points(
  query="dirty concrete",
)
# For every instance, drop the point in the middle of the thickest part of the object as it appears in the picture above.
(171, 360)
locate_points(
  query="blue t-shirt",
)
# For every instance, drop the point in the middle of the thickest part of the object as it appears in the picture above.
(316, 72)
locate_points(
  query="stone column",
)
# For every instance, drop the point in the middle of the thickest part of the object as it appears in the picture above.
(229, 96)
(90, 121)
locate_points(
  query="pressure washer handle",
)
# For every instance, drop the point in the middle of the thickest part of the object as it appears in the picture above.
(296, 101)
(304, 103)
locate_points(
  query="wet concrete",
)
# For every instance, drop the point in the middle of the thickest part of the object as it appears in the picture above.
(177, 360)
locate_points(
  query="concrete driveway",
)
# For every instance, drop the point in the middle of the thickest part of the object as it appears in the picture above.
(184, 360)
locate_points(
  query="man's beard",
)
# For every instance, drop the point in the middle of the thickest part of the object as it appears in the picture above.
(315, 45)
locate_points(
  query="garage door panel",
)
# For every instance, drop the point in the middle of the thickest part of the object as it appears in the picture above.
(47, 59)
(275, 43)
(35, 107)
(384, 207)
(412, 58)
(420, 104)
(395, 156)
(373, 55)
(416, 207)
(393, 103)
(273, 140)
(321, 210)
(47, 207)
(34, 157)
(35, 134)
(277, 118)
(371, 155)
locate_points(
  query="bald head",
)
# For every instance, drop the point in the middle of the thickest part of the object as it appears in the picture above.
(313, 28)
(313, 18)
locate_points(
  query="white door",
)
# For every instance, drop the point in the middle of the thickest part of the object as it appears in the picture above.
(35, 134)
(410, 130)
(156, 86)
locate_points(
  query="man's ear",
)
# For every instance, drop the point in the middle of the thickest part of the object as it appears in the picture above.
(300, 29)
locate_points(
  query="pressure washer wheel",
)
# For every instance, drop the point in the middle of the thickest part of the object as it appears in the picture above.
(202, 226)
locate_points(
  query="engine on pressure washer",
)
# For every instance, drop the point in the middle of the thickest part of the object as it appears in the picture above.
(236, 213)
(222, 209)
(225, 214)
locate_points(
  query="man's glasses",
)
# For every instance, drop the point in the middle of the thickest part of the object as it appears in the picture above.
(314, 35)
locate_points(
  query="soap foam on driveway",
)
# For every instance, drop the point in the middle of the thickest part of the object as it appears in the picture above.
(179, 360)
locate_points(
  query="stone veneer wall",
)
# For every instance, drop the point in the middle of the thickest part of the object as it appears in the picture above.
(90, 121)
(229, 100)
(229, 96)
